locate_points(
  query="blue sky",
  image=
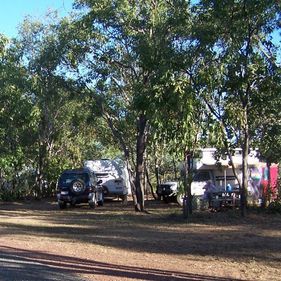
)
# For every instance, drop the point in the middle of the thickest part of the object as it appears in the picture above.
(13, 12)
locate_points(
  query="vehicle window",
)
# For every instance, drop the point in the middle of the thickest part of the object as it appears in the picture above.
(68, 178)
(101, 175)
(165, 185)
(202, 176)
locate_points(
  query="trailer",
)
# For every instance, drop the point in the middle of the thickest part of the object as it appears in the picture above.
(220, 172)
(114, 177)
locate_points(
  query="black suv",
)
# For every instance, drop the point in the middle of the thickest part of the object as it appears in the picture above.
(167, 190)
(79, 186)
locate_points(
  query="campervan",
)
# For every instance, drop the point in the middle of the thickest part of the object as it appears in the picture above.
(114, 176)
(220, 172)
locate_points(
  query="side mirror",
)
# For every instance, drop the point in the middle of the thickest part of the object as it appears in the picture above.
(99, 182)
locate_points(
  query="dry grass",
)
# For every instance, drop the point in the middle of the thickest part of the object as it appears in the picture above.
(115, 243)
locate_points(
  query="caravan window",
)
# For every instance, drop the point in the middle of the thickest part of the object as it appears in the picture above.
(202, 176)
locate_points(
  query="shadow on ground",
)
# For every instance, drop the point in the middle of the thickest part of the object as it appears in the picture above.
(31, 266)
(162, 231)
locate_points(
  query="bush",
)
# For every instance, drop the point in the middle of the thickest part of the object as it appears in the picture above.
(274, 207)
(7, 195)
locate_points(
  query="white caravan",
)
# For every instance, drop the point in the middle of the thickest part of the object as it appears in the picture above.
(114, 176)
(221, 173)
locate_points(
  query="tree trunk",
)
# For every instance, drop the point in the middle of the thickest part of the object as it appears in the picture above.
(157, 174)
(245, 172)
(149, 183)
(232, 164)
(269, 191)
(187, 201)
(141, 145)
(116, 133)
(131, 173)
(40, 169)
(175, 169)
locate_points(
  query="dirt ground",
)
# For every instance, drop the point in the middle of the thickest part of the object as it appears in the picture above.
(114, 242)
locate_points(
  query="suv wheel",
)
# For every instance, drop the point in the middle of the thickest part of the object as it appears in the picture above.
(92, 205)
(100, 199)
(93, 201)
(62, 204)
(78, 186)
(73, 203)
(100, 203)
(124, 199)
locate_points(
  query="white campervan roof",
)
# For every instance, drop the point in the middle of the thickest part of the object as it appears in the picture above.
(208, 161)
(220, 169)
(104, 165)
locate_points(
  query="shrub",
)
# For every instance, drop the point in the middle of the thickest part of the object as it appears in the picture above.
(274, 207)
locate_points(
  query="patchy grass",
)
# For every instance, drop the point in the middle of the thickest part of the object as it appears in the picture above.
(209, 246)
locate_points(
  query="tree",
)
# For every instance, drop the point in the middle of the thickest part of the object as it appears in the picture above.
(238, 59)
(131, 45)
(63, 128)
(17, 118)
(267, 127)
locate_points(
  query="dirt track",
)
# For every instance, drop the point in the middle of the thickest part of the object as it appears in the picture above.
(40, 242)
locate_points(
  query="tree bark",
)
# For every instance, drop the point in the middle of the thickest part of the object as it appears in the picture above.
(125, 149)
(245, 170)
(187, 202)
(131, 174)
(40, 169)
(141, 146)
(149, 183)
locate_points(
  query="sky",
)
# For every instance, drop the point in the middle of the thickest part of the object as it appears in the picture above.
(13, 12)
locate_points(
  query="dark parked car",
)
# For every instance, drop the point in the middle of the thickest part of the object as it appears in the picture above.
(79, 186)
(170, 191)
(167, 191)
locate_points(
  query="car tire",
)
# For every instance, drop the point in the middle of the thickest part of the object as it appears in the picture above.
(62, 205)
(93, 202)
(100, 203)
(100, 198)
(124, 199)
(72, 204)
(78, 186)
(92, 205)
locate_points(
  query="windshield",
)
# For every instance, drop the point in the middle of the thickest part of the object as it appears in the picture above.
(102, 175)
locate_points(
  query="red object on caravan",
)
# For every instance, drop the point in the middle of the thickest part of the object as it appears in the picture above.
(273, 181)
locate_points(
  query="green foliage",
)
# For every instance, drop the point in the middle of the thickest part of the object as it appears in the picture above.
(74, 89)
(236, 47)
(50, 128)
(7, 195)
(132, 60)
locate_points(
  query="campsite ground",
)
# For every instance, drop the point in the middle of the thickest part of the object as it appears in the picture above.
(40, 242)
